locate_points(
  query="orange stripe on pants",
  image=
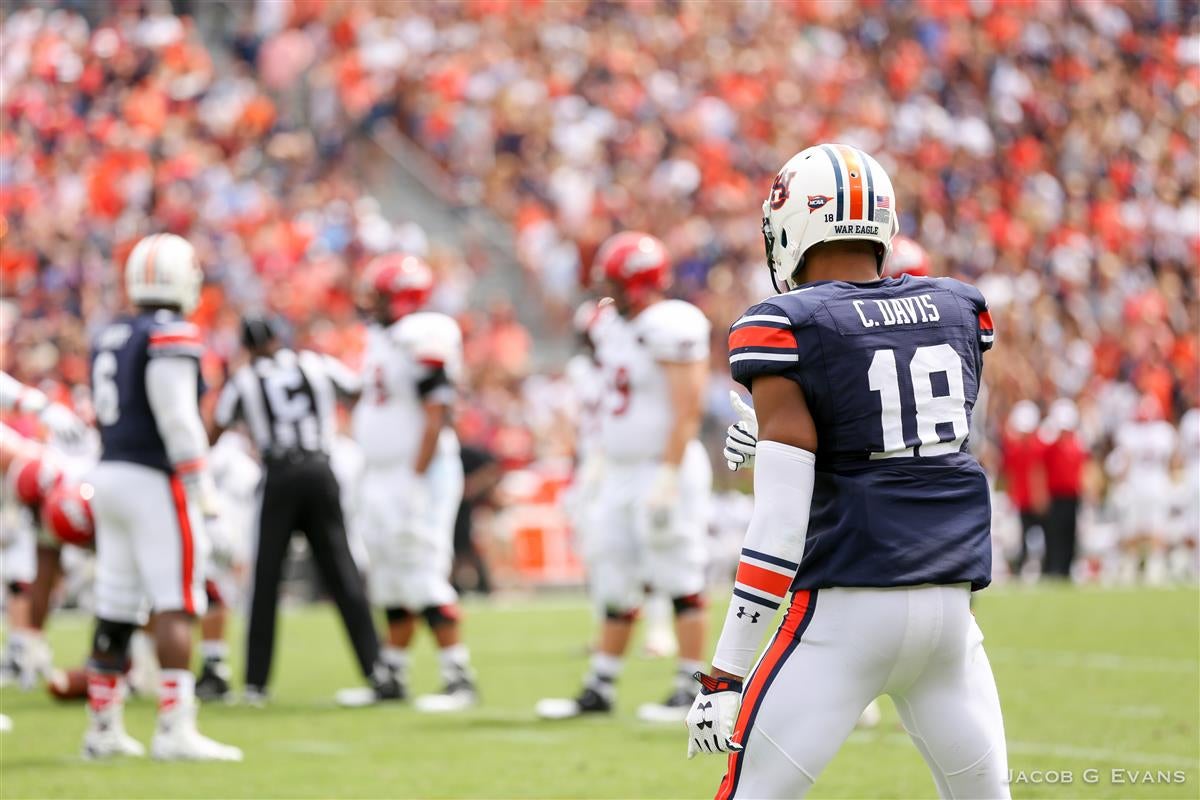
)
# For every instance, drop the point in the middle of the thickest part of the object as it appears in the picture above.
(179, 497)
(753, 693)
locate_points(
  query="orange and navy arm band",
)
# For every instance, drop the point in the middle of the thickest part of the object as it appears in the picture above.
(182, 339)
(763, 579)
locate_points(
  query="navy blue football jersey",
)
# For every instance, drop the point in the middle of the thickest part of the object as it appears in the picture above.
(890, 370)
(120, 354)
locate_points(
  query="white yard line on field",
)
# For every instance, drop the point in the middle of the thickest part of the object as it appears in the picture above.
(312, 747)
(1082, 660)
(1053, 750)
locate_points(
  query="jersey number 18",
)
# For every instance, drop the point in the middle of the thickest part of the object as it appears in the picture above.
(930, 410)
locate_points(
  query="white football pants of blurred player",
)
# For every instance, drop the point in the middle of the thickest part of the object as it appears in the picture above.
(669, 561)
(631, 559)
(836, 651)
(407, 524)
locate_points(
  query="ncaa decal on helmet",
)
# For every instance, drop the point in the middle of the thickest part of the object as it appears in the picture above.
(907, 258)
(162, 270)
(827, 193)
(405, 282)
(635, 262)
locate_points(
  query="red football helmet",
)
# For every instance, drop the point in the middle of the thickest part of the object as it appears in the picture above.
(403, 281)
(33, 479)
(67, 514)
(637, 263)
(907, 258)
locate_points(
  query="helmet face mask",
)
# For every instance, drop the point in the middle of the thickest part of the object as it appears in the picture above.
(827, 193)
(769, 241)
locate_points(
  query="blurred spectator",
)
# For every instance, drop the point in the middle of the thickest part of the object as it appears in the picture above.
(1024, 457)
(1066, 459)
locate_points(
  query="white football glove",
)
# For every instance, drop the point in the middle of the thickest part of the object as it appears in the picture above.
(741, 438)
(661, 502)
(202, 492)
(62, 423)
(711, 719)
(220, 543)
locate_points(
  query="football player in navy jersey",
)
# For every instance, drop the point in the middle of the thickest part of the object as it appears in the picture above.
(153, 502)
(868, 508)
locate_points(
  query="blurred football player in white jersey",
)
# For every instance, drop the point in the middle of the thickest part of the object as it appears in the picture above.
(654, 497)
(412, 481)
(154, 502)
(1187, 502)
(1140, 468)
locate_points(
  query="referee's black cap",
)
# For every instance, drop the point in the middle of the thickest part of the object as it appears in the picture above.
(259, 330)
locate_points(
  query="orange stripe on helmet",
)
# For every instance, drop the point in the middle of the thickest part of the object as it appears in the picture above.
(854, 170)
(150, 257)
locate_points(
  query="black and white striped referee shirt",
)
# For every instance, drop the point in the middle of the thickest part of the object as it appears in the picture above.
(288, 401)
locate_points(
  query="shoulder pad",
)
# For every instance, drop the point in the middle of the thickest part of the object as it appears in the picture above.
(963, 290)
(763, 341)
(431, 338)
(174, 337)
(987, 331)
(799, 304)
(674, 330)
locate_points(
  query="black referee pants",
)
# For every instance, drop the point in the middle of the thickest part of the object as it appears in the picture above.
(302, 495)
(1062, 523)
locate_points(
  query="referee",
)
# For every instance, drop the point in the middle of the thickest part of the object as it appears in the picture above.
(288, 401)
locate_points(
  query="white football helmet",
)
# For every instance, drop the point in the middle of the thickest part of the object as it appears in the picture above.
(827, 193)
(162, 270)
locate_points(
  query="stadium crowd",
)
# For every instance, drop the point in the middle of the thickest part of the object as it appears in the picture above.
(1059, 172)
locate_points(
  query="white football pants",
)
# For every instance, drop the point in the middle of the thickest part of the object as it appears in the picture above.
(839, 649)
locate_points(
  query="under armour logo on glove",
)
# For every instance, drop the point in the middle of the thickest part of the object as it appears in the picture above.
(752, 615)
(710, 719)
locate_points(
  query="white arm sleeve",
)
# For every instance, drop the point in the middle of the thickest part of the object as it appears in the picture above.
(171, 389)
(771, 553)
(14, 394)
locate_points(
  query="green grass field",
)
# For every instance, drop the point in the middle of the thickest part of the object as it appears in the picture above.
(1089, 679)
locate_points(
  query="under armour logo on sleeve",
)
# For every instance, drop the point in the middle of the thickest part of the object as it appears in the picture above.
(754, 615)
